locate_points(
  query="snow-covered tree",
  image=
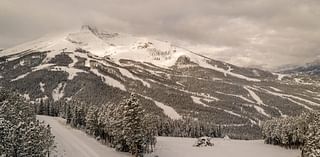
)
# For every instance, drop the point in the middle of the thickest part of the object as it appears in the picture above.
(311, 146)
(126, 127)
(92, 125)
(20, 133)
(287, 132)
(203, 142)
(4, 136)
(295, 132)
(133, 128)
(76, 114)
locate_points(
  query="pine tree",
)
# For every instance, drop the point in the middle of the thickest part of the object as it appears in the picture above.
(150, 126)
(311, 147)
(4, 136)
(92, 121)
(48, 140)
(293, 132)
(41, 107)
(20, 133)
(128, 126)
(68, 113)
(133, 129)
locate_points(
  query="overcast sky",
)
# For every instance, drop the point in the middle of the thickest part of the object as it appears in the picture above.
(262, 33)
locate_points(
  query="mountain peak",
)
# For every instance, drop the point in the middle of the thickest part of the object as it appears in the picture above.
(100, 33)
(91, 28)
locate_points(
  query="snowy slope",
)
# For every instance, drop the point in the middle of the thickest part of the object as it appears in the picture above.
(311, 68)
(117, 47)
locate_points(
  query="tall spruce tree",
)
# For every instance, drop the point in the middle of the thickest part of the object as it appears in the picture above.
(133, 128)
(92, 125)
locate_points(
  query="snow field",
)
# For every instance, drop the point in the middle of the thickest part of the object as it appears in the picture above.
(182, 147)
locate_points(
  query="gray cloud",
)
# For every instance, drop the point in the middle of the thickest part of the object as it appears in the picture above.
(264, 33)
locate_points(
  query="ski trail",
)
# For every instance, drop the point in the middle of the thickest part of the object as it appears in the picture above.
(238, 96)
(260, 102)
(75, 143)
(255, 96)
(292, 97)
(167, 110)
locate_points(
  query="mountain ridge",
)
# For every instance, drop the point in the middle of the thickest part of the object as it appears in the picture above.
(168, 78)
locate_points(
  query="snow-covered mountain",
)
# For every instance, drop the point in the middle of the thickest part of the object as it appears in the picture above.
(99, 67)
(312, 68)
(116, 47)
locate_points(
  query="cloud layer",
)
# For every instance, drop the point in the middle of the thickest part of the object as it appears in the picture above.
(263, 33)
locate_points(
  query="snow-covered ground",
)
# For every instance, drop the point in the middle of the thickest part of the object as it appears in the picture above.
(74, 143)
(182, 147)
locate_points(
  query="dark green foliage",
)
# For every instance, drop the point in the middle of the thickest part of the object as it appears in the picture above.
(287, 132)
(295, 132)
(92, 124)
(21, 135)
(311, 146)
(62, 59)
(126, 127)
(131, 131)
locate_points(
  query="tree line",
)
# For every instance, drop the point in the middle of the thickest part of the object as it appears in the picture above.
(77, 112)
(21, 135)
(126, 126)
(302, 132)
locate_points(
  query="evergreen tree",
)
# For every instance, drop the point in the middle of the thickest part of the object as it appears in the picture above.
(127, 127)
(295, 132)
(311, 147)
(92, 125)
(4, 136)
(48, 139)
(133, 128)
(20, 133)
(41, 107)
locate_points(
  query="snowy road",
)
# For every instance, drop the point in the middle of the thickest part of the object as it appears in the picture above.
(74, 143)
